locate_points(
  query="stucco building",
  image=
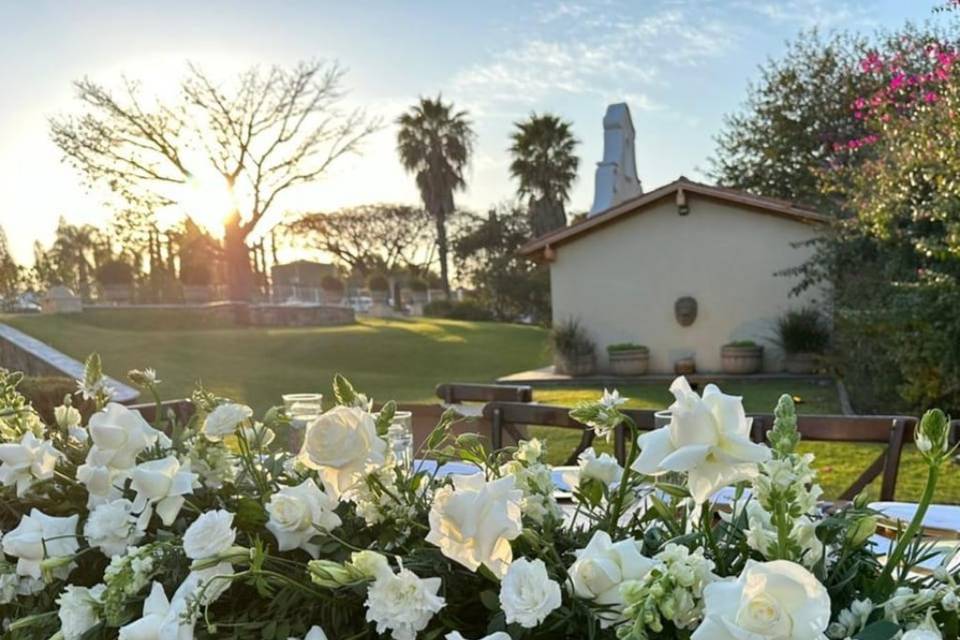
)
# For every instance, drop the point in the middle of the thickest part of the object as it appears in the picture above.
(621, 270)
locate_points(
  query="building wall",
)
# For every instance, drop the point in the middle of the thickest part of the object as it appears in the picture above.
(622, 280)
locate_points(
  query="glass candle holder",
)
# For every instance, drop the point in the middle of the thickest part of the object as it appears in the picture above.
(399, 446)
(302, 409)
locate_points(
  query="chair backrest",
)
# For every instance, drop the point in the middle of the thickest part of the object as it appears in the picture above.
(511, 416)
(182, 409)
(458, 392)
(892, 431)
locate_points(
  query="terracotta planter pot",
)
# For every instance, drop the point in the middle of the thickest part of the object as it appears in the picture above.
(801, 363)
(634, 362)
(741, 360)
(578, 365)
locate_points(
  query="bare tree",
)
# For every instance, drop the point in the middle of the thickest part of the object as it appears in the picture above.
(263, 136)
(369, 237)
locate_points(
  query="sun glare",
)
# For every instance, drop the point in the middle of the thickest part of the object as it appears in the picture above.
(206, 201)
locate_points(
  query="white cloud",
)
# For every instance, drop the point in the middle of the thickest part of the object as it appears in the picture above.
(824, 14)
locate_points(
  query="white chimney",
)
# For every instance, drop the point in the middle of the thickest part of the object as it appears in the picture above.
(616, 179)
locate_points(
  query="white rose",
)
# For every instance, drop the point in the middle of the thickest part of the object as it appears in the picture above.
(37, 532)
(527, 594)
(28, 462)
(112, 527)
(78, 611)
(602, 566)
(370, 563)
(210, 534)
(474, 521)
(161, 620)
(341, 444)
(119, 435)
(778, 599)
(224, 420)
(163, 483)
(603, 467)
(708, 438)
(403, 603)
(315, 633)
(499, 635)
(298, 513)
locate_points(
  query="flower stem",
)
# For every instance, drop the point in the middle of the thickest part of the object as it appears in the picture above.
(903, 542)
(617, 507)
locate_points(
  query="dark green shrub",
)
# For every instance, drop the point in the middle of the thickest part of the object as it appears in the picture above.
(47, 393)
(741, 343)
(457, 310)
(803, 331)
(570, 339)
(378, 282)
(196, 275)
(626, 346)
(419, 285)
(115, 272)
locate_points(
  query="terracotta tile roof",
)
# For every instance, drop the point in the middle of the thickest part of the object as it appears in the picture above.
(760, 204)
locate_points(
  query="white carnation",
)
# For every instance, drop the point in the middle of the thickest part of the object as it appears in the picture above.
(78, 610)
(112, 527)
(224, 420)
(403, 603)
(527, 594)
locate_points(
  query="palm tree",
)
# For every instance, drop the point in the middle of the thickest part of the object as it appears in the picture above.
(435, 143)
(544, 163)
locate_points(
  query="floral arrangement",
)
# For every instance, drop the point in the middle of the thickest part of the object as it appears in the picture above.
(118, 528)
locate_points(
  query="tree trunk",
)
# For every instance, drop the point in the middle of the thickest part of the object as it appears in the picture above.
(441, 218)
(237, 256)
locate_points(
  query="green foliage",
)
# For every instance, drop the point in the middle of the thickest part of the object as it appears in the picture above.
(418, 285)
(457, 310)
(378, 282)
(626, 346)
(487, 254)
(803, 331)
(741, 343)
(571, 339)
(115, 272)
(784, 435)
(47, 393)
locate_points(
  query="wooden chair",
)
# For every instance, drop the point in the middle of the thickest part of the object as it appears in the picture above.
(460, 392)
(507, 416)
(894, 431)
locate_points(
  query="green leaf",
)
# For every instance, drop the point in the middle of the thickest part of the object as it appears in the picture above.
(490, 600)
(880, 630)
(385, 418)
(343, 391)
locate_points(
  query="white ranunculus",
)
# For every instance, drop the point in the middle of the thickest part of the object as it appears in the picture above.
(27, 462)
(341, 444)
(403, 603)
(77, 610)
(708, 438)
(112, 527)
(315, 633)
(210, 534)
(498, 635)
(474, 521)
(603, 467)
(602, 566)
(161, 483)
(778, 599)
(224, 420)
(119, 435)
(527, 594)
(298, 513)
(37, 532)
(161, 619)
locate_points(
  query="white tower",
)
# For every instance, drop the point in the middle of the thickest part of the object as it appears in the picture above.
(616, 179)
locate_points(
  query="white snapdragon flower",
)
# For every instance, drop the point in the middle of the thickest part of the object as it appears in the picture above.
(602, 567)
(403, 603)
(27, 463)
(112, 527)
(68, 418)
(299, 513)
(119, 435)
(603, 468)
(778, 599)
(161, 484)
(708, 438)
(162, 619)
(224, 420)
(342, 444)
(474, 521)
(527, 594)
(209, 535)
(315, 633)
(78, 610)
(41, 537)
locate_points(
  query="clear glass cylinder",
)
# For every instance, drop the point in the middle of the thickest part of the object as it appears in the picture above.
(400, 446)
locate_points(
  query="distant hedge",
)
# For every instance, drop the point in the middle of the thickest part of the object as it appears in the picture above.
(47, 393)
(454, 310)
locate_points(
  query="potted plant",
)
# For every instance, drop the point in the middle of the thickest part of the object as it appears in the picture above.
(741, 356)
(804, 337)
(574, 353)
(379, 287)
(628, 359)
(333, 288)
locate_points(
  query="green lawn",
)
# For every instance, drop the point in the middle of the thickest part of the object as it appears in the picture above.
(398, 359)
(389, 359)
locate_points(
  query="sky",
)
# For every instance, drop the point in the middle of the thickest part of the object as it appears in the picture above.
(679, 64)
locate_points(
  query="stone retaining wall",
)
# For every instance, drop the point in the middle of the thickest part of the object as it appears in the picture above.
(20, 352)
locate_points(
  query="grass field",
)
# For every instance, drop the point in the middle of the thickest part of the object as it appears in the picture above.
(402, 360)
